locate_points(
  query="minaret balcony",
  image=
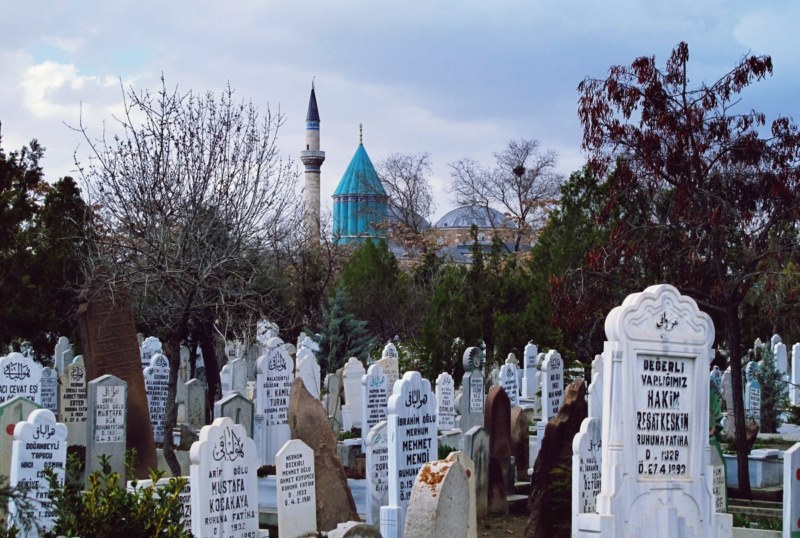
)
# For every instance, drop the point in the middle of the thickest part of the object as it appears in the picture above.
(312, 157)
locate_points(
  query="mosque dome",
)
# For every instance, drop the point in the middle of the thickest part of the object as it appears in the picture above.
(466, 215)
(360, 177)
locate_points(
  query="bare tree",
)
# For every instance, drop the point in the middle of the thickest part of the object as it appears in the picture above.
(523, 183)
(193, 196)
(406, 178)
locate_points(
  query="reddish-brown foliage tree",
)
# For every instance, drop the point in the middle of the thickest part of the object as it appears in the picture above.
(711, 191)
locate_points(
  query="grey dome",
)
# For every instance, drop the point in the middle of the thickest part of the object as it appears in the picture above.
(467, 215)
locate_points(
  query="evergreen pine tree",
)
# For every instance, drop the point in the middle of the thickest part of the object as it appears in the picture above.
(774, 392)
(341, 335)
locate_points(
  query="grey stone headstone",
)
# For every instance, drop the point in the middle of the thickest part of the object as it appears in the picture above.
(238, 375)
(195, 404)
(238, 408)
(107, 421)
(377, 469)
(49, 389)
(63, 354)
(472, 389)
(73, 407)
(156, 382)
(445, 399)
(476, 446)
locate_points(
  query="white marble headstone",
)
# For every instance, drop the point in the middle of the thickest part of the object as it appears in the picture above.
(150, 347)
(107, 421)
(390, 362)
(351, 379)
(156, 383)
(791, 492)
(794, 387)
(20, 376)
(296, 489)
(73, 409)
(377, 469)
(273, 388)
(586, 458)
(530, 375)
(375, 397)
(49, 389)
(508, 381)
(446, 401)
(39, 443)
(223, 482)
(552, 384)
(308, 370)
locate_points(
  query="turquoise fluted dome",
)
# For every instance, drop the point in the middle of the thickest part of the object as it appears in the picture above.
(359, 201)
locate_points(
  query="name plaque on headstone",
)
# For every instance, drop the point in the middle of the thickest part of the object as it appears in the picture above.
(110, 415)
(476, 395)
(663, 404)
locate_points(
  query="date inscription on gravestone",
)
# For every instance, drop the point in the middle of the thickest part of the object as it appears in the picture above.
(663, 404)
(110, 409)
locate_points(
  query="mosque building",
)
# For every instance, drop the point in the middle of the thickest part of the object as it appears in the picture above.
(361, 208)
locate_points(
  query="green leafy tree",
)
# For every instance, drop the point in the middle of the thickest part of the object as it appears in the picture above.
(341, 334)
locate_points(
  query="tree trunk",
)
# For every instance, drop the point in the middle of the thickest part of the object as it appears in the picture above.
(734, 337)
(214, 392)
(171, 417)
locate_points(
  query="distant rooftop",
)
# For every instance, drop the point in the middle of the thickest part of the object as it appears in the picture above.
(467, 215)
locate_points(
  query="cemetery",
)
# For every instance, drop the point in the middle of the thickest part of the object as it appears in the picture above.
(218, 365)
(643, 438)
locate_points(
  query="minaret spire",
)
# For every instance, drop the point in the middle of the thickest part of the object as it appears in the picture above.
(360, 134)
(312, 158)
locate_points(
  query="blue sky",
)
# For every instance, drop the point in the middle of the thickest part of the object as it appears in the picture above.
(455, 79)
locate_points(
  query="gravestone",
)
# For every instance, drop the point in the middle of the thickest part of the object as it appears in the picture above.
(552, 384)
(20, 376)
(595, 389)
(11, 412)
(73, 408)
(719, 478)
(586, 463)
(62, 355)
(437, 501)
(445, 400)
(237, 408)
(195, 404)
(156, 382)
(752, 392)
(308, 371)
(469, 471)
(716, 377)
(791, 492)
(374, 398)
(273, 387)
(226, 380)
(729, 418)
(472, 395)
(377, 471)
(331, 400)
(794, 387)
(530, 375)
(476, 446)
(498, 424)
(107, 398)
(110, 346)
(223, 482)
(412, 443)
(295, 484)
(49, 389)
(390, 363)
(238, 375)
(781, 359)
(655, 450)
(520, 441)
(39, 444)
(151, 346)
(509, 383)
(351, 379)
(494, 377)
(185, 495)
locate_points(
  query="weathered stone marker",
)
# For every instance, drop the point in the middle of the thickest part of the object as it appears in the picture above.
(156, 381)
(446, 401)
(472, 392)
(237, 408)
(49, 389)
(73, 409)
(438, 500)
(377, 466)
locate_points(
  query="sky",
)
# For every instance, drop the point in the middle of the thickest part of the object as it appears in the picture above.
(456, 79)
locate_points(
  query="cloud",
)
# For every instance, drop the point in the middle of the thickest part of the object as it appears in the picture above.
(771, 30)
(50, 88)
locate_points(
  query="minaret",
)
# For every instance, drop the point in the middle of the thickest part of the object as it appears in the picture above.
(312, 158)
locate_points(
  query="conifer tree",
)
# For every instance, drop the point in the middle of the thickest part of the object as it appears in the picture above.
(341, 335)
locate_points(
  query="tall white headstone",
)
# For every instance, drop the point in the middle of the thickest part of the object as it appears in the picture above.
(377, 469)
(296, 489)
(375, 397)
(791, 492)
(40, 443)
(308, 370)
(586, 461)
(552, 384)
(223, 482)
(530, 375)
(274, 384)
(509, 382)
(752, 392)
(472, 390)
(412, 443)
(49, 389)
(794, 387)
(655, 453)
(781, 359)
(106, 423)
(20, 376)
(62, 355)
(156, 383)
(351, 379)
(73, 401)
(390, 362)
(446, 401)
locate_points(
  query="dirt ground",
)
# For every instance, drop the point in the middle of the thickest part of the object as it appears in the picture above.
(502, 526)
